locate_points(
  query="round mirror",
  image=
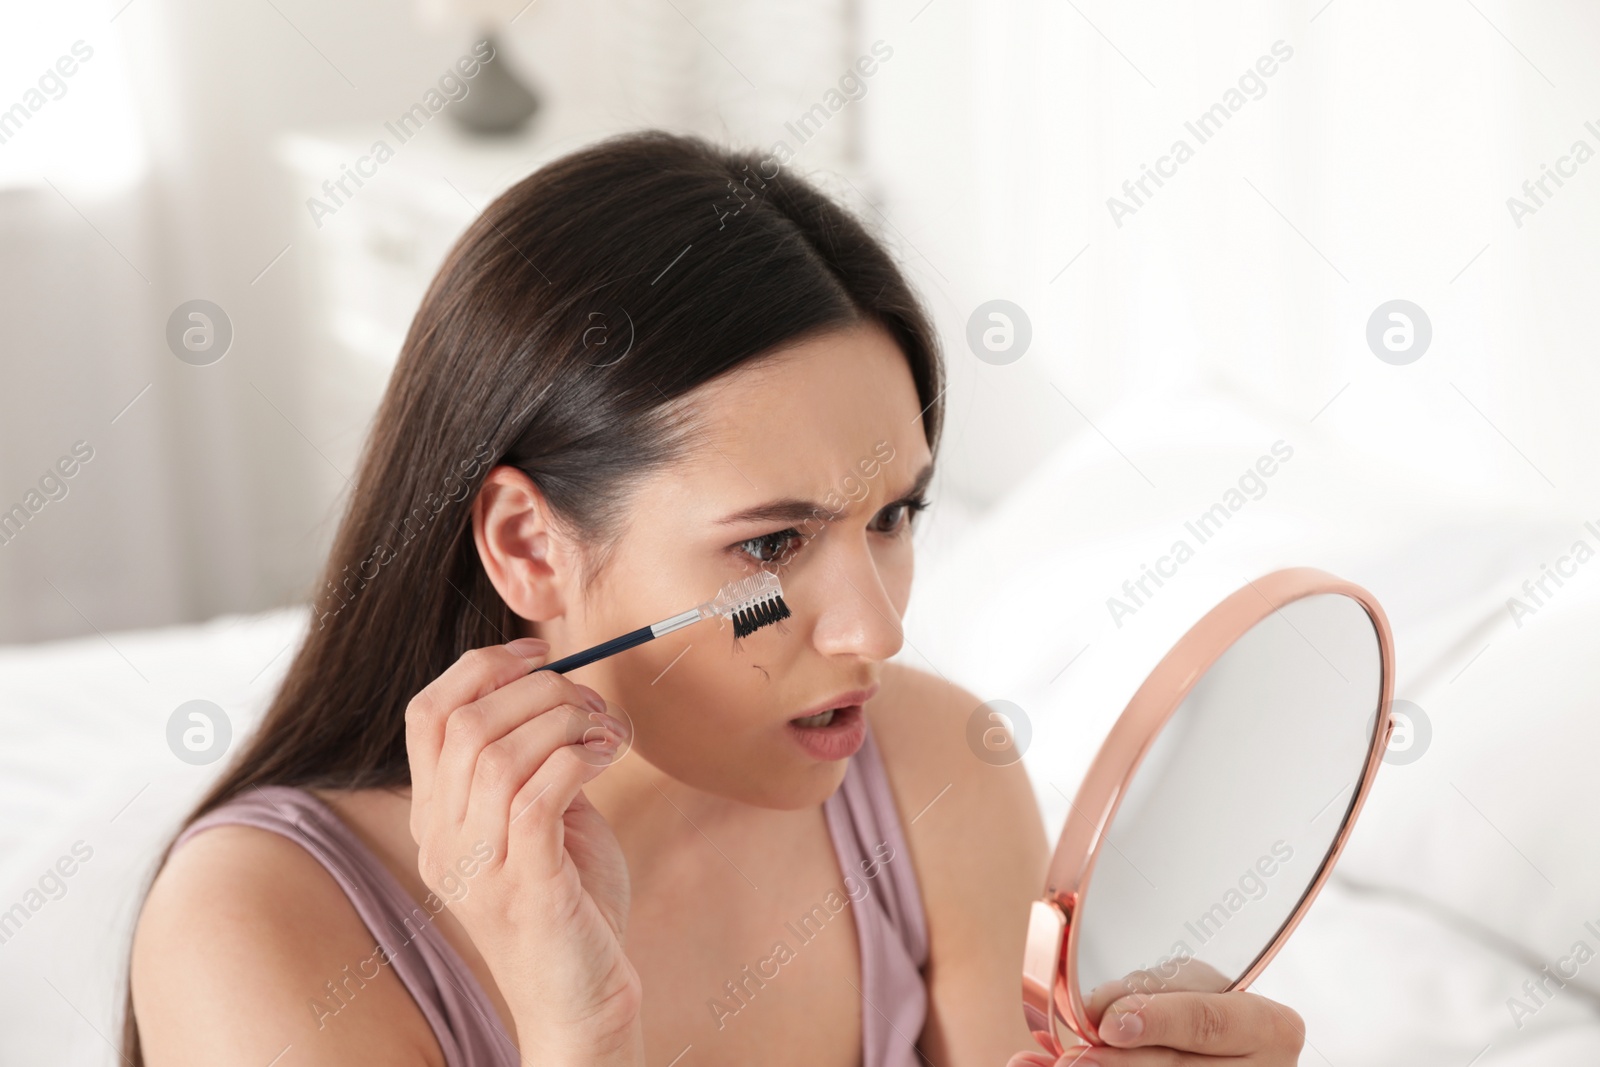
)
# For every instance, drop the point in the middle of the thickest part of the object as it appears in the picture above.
(1216, 807)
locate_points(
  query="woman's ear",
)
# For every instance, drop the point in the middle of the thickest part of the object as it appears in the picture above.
(529, 561)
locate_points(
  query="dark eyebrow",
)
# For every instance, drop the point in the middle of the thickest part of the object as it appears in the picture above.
(792, 510)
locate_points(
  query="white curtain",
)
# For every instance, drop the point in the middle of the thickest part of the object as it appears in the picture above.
(155, 180)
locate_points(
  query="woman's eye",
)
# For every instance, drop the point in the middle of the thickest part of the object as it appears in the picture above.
(780, 548)
(890, 518)
(771, 548)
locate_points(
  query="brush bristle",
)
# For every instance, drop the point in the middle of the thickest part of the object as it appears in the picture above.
(765, 612)
(752, 602)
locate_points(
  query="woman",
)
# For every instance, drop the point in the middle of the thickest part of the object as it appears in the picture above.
(650, 368)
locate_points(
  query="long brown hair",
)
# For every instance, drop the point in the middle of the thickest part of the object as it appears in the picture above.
(561, 326)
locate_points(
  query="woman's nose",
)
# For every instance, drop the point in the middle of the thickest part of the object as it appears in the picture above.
(856, 615)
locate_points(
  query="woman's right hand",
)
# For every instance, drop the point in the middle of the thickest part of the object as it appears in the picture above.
(498, 759)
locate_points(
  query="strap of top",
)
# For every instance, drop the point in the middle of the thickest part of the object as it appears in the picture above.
(890, 921)
(451, 999)
(867, 838)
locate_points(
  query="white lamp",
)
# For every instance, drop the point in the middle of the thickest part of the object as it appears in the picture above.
(499, 103)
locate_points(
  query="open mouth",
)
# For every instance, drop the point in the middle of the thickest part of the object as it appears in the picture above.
(836, 732)
(832, 734)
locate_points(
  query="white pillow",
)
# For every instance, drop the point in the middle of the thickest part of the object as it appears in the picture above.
(1499, 819)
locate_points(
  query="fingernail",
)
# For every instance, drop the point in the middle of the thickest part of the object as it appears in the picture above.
(606, 744)
(529, 646)
(595, 701)
(1126, 1025)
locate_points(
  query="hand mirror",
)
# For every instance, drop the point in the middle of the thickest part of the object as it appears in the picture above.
(1216, 807)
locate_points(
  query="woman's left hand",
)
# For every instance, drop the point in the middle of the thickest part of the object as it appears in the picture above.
(1187, 1030)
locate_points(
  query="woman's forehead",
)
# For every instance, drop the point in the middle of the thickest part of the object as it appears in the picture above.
(819, 418)
(833, 390)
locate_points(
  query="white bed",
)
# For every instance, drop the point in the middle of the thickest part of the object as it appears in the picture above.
(1497, 822)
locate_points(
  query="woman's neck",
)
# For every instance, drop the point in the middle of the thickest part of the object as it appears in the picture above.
(654, 814)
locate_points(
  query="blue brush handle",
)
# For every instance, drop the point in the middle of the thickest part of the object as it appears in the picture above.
(601, 651)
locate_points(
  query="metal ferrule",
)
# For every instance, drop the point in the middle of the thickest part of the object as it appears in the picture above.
(677, 622)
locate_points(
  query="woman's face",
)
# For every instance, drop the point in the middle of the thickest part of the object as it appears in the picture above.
(811, 463)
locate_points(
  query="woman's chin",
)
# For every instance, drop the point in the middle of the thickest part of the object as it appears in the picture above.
(791, 786)
(798, 786)
(782, 778)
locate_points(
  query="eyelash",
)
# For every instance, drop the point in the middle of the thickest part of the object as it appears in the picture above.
(789, 536)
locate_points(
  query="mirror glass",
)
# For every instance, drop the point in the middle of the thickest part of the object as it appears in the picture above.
(1230, 815)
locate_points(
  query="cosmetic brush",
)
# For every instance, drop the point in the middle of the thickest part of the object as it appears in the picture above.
(751, 603)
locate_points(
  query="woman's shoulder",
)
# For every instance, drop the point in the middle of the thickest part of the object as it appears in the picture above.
(243, 947)
(978, 847)
(955, 797)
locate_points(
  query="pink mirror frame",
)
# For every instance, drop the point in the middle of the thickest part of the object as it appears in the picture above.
(1052, 1003)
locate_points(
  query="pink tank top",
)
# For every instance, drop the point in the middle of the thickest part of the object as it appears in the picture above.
(867, 838)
